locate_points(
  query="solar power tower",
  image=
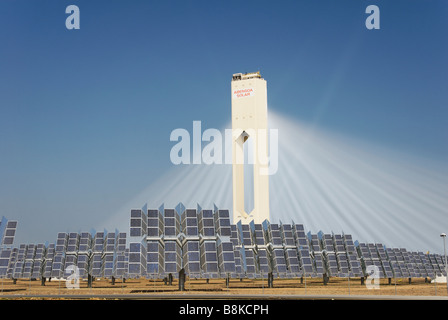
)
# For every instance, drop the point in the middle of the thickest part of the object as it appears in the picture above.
(250, 123)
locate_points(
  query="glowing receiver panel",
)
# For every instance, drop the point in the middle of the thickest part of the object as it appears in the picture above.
(249, 120)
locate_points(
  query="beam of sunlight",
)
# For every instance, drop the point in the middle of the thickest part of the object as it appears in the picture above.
(343, 185)
(327, 182)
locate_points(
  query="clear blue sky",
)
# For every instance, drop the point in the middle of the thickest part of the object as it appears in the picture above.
(86, 115)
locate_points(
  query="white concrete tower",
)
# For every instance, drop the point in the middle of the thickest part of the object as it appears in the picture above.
(250, 120)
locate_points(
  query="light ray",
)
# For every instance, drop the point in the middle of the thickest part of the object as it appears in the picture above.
(328, 182)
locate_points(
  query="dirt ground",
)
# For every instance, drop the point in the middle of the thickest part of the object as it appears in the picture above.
(310, 286)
